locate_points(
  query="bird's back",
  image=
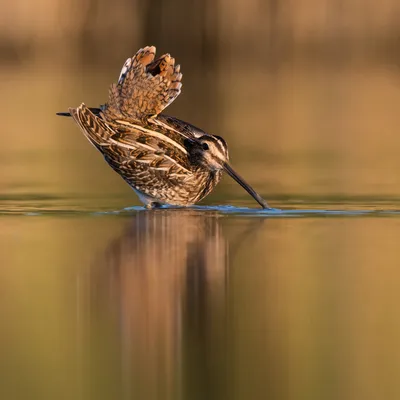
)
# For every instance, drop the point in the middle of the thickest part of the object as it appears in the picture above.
(154, 158)
(150, 150)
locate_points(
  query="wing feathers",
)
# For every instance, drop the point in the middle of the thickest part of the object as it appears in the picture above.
(145, 86)
(123, 146)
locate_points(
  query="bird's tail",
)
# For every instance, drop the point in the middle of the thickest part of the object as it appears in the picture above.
(145, 87)
(93, 127)
(95, 110)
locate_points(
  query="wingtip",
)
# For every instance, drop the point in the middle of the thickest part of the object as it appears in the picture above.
(151, 49)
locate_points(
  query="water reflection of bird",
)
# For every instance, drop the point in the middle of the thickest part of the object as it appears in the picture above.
(165, 278)
(165, 160)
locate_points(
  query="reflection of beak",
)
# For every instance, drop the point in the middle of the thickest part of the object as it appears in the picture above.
(245, 186)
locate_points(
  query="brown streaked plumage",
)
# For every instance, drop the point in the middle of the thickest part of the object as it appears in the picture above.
(165, 160)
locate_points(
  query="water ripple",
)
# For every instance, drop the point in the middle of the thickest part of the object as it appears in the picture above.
(227, 210)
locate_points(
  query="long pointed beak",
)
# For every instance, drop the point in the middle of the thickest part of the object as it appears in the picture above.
(246, 186)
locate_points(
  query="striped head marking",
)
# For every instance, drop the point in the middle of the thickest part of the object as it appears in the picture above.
(211, 152)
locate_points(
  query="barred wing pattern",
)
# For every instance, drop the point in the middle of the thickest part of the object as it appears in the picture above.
(153, 159)
(145, 87)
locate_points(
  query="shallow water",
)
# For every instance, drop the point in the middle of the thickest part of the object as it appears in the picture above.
(211, 302)
(102, 299)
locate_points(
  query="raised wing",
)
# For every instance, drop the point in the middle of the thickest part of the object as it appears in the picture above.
(145, 87)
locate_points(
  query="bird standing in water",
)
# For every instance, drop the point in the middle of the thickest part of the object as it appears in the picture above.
(165, 160)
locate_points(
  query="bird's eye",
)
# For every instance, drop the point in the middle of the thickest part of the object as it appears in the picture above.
(205, 146)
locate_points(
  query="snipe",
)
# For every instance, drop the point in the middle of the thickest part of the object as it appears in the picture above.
(165, 160)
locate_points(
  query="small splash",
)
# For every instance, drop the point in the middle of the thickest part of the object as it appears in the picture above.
(271, 212)
(67, 208)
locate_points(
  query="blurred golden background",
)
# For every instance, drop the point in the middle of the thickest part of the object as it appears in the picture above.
(306, 93)
(198, 304)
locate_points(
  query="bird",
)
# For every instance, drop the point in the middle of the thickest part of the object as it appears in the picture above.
(165, 160)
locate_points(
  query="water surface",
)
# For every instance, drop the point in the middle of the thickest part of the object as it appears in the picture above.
(101, 299)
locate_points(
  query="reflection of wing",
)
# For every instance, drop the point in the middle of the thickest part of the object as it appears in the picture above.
(145, 87)
(150, 288)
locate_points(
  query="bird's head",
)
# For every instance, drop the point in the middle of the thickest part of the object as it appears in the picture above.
(211, 152)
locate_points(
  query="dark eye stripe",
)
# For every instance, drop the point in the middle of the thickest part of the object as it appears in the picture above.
(218, 142)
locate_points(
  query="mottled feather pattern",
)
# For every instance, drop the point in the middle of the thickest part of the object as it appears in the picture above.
(145, 87)
(151, 165)
(95, 129)
(151, 151)
(171, 123)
